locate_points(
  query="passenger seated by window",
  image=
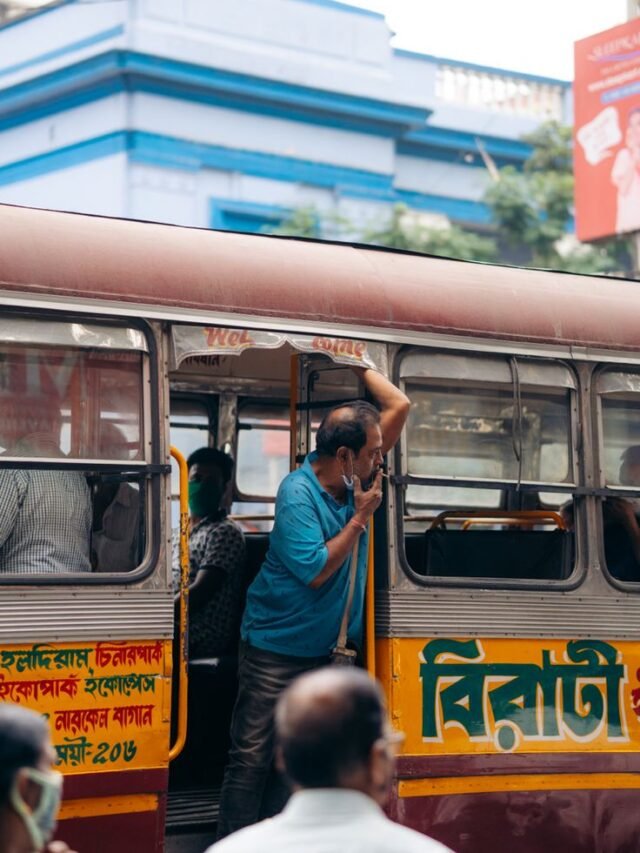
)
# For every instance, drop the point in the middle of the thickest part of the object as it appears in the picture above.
(45, 516)
(620, 518)
(116, 511)
(216, 557)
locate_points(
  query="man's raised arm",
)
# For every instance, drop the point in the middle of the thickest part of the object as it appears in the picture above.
(394, 405)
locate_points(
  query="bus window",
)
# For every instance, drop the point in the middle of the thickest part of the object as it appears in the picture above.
(262, 462)
(619, 397)
(487, 462)
(73, 448)
(191, 426)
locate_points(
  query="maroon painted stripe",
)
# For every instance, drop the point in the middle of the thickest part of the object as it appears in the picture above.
(583, 821)
(113, 782)
(436, 766)
(136, 832)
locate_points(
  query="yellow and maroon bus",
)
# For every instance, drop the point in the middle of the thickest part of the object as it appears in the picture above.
(503, 597)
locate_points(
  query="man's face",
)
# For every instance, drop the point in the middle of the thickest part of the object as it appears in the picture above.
(203, 473)
(369, 459)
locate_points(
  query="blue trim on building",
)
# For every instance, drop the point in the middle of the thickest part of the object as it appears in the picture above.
(343, 7)
(169, 152)
(64, 158)
(172, 78)
(233, 215)
(96, 38)
(36, 13)
(430, 139)
(457, 209)
(485, 69)
(172, 153)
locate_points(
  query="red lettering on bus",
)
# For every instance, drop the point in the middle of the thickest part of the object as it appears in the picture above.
(228, 338)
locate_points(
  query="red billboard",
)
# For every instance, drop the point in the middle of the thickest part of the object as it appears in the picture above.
(607, 132)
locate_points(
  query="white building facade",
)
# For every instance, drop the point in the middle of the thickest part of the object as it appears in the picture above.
(233, 113)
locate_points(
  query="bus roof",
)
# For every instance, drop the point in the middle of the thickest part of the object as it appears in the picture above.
(88, 257)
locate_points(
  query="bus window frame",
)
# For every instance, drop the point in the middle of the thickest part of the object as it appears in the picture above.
(579, 571)
(151, 470)
(605, 491)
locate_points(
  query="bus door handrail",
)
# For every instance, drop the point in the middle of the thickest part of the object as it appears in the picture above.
(370, 617)
(529, 517)
(183, 676)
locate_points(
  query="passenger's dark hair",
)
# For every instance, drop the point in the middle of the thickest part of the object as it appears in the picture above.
(346, 426)
(212, 456)
(332, 735)
(23, 734)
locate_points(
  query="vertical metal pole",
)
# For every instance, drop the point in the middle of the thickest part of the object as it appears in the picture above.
(183, 677)
(293, 412)
(370, 618)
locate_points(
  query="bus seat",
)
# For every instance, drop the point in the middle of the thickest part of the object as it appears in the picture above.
(505, 554)
(256, 547)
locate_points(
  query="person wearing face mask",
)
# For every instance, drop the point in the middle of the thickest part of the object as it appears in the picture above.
(30, 791)
(216, 557)
(299, 599)
(336, 747)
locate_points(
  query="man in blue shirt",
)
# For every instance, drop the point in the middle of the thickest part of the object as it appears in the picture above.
(297, 601)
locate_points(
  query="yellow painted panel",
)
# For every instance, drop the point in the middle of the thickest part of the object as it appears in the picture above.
(488, 696)
(532, 782)
(108, 805)
(107, 702)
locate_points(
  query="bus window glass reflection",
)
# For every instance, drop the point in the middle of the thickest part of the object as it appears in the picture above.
(482, 434)
(71, 393)
(619, 395)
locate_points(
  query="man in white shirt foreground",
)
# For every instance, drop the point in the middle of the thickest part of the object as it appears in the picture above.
(336, 749)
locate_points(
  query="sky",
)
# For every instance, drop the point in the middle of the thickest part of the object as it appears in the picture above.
(536, 38)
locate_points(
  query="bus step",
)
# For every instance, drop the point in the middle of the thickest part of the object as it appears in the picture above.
(193, 807)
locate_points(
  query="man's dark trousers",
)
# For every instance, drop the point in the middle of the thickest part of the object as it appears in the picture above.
(262, 676)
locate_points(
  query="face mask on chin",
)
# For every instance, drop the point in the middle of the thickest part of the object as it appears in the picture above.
(348, 480)
(40, 822)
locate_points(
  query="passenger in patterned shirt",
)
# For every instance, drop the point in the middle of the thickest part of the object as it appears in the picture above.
(216, 558)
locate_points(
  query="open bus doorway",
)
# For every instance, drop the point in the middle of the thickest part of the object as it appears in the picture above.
(245, 404)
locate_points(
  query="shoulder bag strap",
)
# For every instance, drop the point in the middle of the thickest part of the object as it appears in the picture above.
(353, 571)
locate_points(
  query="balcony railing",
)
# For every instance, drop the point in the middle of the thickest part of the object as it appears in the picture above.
(500, 92)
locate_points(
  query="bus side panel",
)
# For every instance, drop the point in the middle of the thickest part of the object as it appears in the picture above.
(516, 738)
(499, 696)
(130, 832)
(108, 705)
(527, 821)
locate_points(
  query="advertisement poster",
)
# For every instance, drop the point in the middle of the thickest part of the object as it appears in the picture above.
(607, 132)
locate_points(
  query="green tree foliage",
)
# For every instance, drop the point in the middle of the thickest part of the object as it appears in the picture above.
(405, 230)
(533, 208)
(302, 222)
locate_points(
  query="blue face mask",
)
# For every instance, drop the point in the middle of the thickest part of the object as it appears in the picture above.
(41, 822)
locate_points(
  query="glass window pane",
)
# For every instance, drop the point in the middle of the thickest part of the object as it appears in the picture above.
(189, 430)
(80, 403)
(621, 463)
(621, 429)
(85, 522)
(263, 450)
(471, 433)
